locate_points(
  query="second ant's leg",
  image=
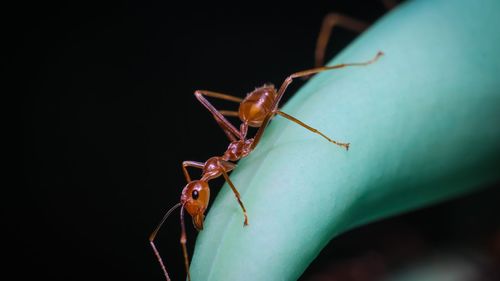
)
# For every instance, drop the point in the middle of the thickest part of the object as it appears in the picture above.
(193, 164)
(389, 4)
(237, 194)
(329, 22)
(299, 74)
(293, 119)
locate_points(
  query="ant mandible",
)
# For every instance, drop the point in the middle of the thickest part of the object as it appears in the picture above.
(255, 110)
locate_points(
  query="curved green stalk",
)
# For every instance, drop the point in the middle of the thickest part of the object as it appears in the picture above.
(423, 123)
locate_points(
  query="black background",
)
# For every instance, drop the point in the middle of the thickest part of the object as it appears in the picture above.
(109, 115)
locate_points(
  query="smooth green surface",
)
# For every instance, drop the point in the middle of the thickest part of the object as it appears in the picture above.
(423, 123)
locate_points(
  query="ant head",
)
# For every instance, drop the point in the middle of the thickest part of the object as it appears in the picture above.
(194, 198)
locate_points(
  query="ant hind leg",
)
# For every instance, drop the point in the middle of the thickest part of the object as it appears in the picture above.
(300, 74)
(297, 121)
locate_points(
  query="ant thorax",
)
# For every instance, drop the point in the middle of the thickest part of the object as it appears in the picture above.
(212, 168)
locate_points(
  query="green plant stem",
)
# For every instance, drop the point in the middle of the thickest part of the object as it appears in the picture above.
(423, 123)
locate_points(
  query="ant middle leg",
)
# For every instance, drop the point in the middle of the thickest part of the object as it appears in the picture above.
(237, 194)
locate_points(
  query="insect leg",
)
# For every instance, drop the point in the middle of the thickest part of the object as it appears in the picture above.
(193, 164)
(232, 133)
(312, 71)
(293, 119)
(299, 74)
(329, 22)
(335, 19)
(237, 194)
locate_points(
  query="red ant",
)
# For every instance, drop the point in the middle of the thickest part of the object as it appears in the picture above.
(255, 110)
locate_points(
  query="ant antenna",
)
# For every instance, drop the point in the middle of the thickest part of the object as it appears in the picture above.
(153, 235)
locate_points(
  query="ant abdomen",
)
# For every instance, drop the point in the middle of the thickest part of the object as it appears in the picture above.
(257, 105)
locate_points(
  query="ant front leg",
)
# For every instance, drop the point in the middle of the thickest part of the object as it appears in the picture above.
(232, 133)
(193, 164)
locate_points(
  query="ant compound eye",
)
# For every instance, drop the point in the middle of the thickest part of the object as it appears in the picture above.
(195, 194)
